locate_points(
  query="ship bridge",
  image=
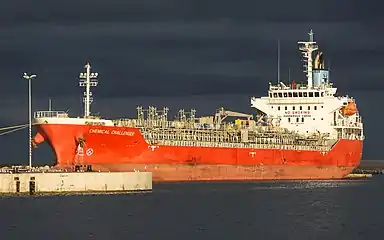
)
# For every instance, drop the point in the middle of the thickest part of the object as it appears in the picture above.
(308, 107)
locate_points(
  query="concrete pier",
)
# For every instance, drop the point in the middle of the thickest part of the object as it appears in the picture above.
(47, 182)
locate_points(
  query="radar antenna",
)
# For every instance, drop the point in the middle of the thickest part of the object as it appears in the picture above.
(88, 80)
(307, 48)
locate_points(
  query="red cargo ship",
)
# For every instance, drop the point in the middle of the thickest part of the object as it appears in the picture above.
(300, 131)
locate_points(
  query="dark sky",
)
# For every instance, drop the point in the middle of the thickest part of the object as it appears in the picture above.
(183, 54)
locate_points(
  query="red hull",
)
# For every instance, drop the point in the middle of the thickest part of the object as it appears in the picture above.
(122, 152)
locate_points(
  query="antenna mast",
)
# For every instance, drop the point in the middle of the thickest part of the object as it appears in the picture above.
(278, 61)
(289, 75)
(88, 80)
(307, 48)
(329, 70)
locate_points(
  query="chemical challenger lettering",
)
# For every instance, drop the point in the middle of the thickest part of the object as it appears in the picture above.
(113, 132)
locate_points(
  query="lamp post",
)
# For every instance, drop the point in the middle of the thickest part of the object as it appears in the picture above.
(29, 78)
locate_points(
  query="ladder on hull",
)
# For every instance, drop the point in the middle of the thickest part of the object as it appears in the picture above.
(79, 164)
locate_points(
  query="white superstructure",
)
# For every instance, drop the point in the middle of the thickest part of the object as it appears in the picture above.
(312, 107)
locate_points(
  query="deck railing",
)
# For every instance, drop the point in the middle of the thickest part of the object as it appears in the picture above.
(50, 114)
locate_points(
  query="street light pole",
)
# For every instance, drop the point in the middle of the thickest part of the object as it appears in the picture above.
(29, 78)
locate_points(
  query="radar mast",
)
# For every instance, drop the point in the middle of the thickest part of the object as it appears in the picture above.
(307, 48)
(88, 80)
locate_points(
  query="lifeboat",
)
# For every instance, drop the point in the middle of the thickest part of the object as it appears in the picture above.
(349, 109)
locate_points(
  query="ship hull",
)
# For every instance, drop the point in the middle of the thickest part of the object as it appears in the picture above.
(125, 149)
(182, 172)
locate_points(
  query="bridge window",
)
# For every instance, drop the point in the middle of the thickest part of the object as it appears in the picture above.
(315, 107)
(295, 94)
(310, 94)
(286, 108)
(301, 108)
(275, 95)
(322, 94)
(317, 94)
(309, 107)
(278, 108)
(285, 94)
(293, 108)
(270, 95)
(280, 94)
(302, 119)
(305, 94)
(297, 119)
(300, 94)
(289, 94)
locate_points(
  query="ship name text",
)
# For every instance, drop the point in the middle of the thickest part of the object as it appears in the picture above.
(113, 132)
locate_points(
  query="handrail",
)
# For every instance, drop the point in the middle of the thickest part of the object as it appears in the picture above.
(50, 114)
(296, 100)
(344, 123)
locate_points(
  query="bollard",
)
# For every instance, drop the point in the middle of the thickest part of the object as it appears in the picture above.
(17, 181)
(32, 186)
